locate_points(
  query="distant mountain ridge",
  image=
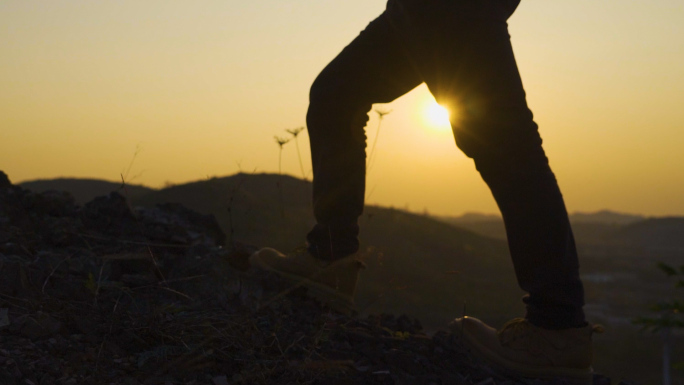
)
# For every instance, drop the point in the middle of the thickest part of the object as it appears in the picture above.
(606, 217)
(84, 190)
(667, 233)
(602, 216)
(603, 226)
(255, 198)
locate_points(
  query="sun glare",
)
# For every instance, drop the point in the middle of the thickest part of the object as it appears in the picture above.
(437, 117)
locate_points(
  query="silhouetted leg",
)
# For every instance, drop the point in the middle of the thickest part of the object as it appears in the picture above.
(465, 56)
(372, 69)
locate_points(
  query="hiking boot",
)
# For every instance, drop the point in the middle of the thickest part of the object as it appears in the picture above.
(526, 350)
(331, 282)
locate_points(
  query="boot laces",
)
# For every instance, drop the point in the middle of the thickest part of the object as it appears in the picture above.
(517, 328)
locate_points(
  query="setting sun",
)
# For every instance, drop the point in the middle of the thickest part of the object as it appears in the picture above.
(437, 116)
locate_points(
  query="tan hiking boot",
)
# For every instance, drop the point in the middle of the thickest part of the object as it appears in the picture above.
(526, 350)
(332, 282)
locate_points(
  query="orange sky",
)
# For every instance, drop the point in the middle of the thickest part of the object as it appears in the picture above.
(201, 88)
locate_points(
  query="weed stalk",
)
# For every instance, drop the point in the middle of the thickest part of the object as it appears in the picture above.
(281, 142)
(381, 115)
(295, 132)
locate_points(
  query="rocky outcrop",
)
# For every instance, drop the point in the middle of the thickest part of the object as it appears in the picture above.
(107, 293)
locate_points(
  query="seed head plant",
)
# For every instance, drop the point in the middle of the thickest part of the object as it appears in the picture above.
(371, 156)
(295, 132)
(381, 115)
(281, 142)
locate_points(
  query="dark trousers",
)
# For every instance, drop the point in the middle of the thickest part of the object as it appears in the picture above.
(462, 51)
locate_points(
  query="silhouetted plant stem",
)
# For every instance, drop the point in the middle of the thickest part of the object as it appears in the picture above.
(230, 211)
(294, 133)
(381, 115)
(371, 156)
(281, 142)
(142, 231)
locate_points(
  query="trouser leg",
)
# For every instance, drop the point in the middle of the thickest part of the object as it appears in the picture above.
(465, 56)
(372, 69)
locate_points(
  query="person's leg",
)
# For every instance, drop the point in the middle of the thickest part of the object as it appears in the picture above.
(372, 69)
(463, 52)
(471, 68)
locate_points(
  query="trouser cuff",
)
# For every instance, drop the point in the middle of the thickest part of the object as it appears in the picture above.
(332, 242)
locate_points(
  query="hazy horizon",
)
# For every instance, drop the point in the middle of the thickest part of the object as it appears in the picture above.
(464, 214)
(201, 90)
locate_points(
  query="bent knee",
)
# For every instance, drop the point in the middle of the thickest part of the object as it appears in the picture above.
(496, 153)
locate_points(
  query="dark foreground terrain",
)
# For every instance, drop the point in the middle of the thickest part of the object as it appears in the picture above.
(108, 294)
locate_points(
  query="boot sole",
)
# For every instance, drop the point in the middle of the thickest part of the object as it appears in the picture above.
(571, 376)
(325, 294)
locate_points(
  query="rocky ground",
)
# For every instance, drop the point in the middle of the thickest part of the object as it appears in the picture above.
(110, 294)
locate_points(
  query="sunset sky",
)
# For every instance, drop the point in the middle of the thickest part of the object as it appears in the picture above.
(200, 88)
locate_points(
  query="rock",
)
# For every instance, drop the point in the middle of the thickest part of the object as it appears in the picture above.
(4, 318)
(109, 214)
(6, 377)
(174, 223)
(16, 279)
(4, 181)
(601, 380)
(50, 203)
(39, 326)
(220, 380)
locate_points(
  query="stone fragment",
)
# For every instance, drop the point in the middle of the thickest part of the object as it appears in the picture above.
(220, 380)
(39, 326)
(4, 181)
(4, 318)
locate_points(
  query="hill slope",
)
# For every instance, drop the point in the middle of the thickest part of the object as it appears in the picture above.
(248, 207)
(402, 251)
(104, 294)
(657, 234)
(147, 296)
(431, 270)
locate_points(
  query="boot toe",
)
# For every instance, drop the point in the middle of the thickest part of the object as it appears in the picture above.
(528, 353)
